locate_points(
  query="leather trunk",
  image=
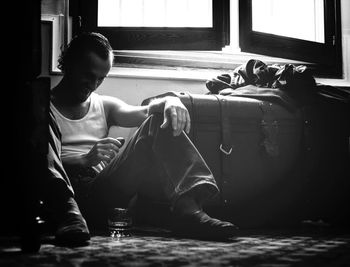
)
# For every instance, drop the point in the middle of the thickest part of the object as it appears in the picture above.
(261, 155)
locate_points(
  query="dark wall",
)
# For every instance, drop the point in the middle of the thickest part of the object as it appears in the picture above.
(24, 112)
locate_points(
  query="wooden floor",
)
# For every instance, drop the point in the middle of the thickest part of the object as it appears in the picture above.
(157, 247)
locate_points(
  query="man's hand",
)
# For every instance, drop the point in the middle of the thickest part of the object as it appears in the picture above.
(176, 114)
(104, 151)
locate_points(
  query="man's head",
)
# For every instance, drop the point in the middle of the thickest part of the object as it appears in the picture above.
(85, 63)
(83, 44)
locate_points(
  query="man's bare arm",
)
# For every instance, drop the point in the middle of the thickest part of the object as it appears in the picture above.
(122, 114)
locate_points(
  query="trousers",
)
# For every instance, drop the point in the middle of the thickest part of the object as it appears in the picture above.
(154, 164)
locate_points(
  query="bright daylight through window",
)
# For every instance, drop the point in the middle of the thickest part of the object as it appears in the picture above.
(155, 13)
(301, 19)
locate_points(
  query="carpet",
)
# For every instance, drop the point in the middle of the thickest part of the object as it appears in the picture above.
(157, 247)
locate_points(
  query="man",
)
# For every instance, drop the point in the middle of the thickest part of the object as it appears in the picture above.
(159, 162)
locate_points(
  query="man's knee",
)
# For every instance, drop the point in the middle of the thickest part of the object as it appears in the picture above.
(151, 125)
(156, 119)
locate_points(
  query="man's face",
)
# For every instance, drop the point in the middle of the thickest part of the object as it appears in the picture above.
(86, 76)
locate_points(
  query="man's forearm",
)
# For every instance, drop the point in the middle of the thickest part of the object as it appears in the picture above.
(175, 113)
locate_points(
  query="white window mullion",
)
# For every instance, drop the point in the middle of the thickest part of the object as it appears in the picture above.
(319, 21)
(166, 12)
(233, 47)
(143, 12)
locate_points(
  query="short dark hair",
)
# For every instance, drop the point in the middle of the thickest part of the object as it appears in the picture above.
(83, 43)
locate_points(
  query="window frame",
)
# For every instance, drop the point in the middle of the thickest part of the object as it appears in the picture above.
(226, 58)
(161, 38)
(325, 59)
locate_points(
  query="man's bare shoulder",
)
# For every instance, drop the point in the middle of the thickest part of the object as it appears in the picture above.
(112, 102)
(122, 114)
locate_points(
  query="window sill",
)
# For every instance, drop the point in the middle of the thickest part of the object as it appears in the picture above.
(183, 65)
(192, 65)
(228, 59)
(163, 73)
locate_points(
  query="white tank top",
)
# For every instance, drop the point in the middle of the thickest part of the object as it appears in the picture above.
(79, 136)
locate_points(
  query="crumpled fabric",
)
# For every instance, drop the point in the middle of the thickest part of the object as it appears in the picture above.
(289, 85)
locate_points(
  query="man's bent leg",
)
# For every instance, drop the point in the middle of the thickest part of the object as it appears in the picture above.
(154, 156)
(155, 159)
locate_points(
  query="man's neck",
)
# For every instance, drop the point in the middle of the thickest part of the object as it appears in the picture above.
(60, 96)
(61, 99)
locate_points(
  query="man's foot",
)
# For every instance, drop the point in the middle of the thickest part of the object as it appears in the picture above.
(200, 225)
(72, 229)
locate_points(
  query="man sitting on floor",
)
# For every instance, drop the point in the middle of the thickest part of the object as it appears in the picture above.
(158, 161)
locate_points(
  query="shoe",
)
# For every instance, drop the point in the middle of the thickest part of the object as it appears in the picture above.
(200, 225)
(72, 229)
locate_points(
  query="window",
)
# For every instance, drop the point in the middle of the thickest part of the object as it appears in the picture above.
(159, 24)
(307, 30)
(155, 13)
(300, 19)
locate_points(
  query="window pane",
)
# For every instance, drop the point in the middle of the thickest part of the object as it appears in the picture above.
(155, 13)
(301, 19)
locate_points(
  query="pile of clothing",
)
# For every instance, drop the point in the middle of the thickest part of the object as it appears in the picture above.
(289, 85)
